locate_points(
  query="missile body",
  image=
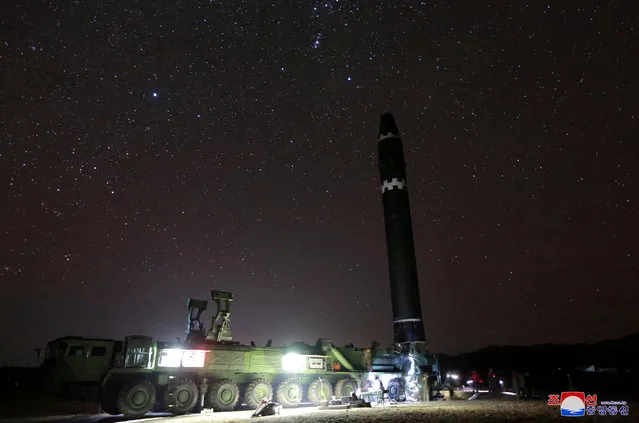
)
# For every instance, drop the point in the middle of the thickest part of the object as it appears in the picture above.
(407, 314)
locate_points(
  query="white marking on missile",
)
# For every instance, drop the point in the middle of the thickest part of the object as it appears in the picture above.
(392, 184)
(387, 135)
(406, 320)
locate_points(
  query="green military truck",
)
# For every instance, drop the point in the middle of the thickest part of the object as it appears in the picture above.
(212, 371)
(160, 377)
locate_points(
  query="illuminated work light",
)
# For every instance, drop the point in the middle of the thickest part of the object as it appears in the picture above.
(193, 358)
(184, 358)
(170, 358)
(292, 362)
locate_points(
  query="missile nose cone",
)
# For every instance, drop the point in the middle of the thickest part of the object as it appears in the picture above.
(387, 127)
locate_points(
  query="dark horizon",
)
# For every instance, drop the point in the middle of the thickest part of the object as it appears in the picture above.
(154, 152)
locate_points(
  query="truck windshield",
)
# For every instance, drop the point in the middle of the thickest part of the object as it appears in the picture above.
(138, 357)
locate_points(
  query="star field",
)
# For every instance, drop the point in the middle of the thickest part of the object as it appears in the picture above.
(153, 151)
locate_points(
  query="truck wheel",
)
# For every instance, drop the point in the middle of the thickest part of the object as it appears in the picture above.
(319, 390)
(345, 387)
(137, 399)
(108, 401)
(396, 390)
(186, 395)
(256, 391)
(223, 395)
(289, 393)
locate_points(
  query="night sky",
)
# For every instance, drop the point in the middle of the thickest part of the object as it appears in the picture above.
(153, 151)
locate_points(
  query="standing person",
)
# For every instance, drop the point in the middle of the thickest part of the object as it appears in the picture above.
(527, 385)
(516, 386)
(475, 378)
(492, 381)
(425, 383)
(381, 391)
(522, 384)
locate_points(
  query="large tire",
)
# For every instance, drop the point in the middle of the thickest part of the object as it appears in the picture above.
(345, 387)
(186, 395)
(223, 395)
(289, 393)
(256, 391)
(319, 390)
(108, 400)
(136, 399)
(396, 390)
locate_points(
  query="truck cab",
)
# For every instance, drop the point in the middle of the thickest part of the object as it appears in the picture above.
(74, 366)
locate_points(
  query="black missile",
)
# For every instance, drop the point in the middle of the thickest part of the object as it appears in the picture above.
(402, 266)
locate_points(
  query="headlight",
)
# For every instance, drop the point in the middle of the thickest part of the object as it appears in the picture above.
(292, 362)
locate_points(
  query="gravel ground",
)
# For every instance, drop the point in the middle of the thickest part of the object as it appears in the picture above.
(435, 412)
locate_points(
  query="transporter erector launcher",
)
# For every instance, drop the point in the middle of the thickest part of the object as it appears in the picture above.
(408, 327)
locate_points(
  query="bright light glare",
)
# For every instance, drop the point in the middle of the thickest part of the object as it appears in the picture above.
(384, 377)
(411, 371)
(170, 358)
(452, 376)
(193, 358)
(292, 362)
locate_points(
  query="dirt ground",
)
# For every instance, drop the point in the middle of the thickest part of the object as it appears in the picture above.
(481, 411)
(477, 411)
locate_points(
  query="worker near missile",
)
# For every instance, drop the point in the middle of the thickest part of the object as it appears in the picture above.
(424, 382)
(382, 391)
